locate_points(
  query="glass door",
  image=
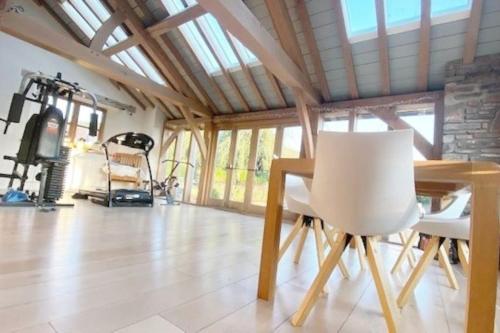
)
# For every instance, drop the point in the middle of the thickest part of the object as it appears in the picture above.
(239, 169)
(221, 168)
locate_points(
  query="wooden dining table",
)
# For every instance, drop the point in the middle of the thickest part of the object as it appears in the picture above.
(433, 178)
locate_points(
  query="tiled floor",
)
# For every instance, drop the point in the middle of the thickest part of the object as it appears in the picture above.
(184, 269)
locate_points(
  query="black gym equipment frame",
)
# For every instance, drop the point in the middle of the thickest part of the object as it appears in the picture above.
(126, 197)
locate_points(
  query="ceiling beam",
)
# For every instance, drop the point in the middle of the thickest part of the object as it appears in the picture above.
(346, 50)
(235, 17)
(106, 29)
(176, 20)
(29, 30)
(156, 53)
(305, 123)
(424, 47)
(248, 74)
(121, 46)
(385, 75)
(472, 32)
(313, 49)
(225, 73)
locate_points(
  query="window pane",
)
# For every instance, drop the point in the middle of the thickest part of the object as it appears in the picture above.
(370, 125)
(399, 12)
(220, 165)
(440, 7)
(87, 14)
(336, 125)
(292, 140)
(265, 149)
(84, 116)
(359, 16)
(185, 141)
(78, 19)
(196, 172)
(240, 165)
(424, 124)
(145, 65)
(129, 62)
(99, 9)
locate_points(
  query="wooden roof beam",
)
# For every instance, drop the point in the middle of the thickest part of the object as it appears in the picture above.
(176, 20)
(472, 32)
(276, 88)
(235, 17)
(313, 49)
(383, 51)
(121, 46)
(424, 47)
(29, 30)
(346, 50)
(106, 30)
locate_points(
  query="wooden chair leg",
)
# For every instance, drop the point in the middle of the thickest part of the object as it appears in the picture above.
(319, 282)
(320, 251)
(463, 255)
(410, 255)
(291, 236)
(361, 252)
(445, 264)
(330, 238)
(385, 296)
(407, 248)
(429, 253)
(302, 240)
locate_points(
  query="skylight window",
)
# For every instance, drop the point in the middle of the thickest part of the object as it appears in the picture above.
(399, 12)
(78, 19)
(443, 7)
(215, 36)
(360, 17)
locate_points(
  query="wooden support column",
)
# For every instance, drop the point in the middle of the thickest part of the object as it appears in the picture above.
(305, 122)
(382, 48)
(472, 33)
(424, 47)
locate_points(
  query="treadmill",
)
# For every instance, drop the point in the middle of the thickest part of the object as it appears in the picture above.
(126, 197)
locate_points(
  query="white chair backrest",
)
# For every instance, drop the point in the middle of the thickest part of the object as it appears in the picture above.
(364, 183)
(456, 207)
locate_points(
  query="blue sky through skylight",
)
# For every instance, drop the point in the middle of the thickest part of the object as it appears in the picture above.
(440, 7)
(399, 12)
(360, 16)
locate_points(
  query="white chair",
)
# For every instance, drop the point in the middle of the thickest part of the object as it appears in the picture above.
(440, 222)
(440, 226)
(296, 200)
(363, 185)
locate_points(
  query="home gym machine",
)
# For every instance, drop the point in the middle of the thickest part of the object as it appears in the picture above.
(43, 136)
(125, 197)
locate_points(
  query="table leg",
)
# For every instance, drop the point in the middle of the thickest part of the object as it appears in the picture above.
(271, 239)
(482, 282)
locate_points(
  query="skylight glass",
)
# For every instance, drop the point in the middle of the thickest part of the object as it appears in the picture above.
(99, 9)
(87, 14)
(145, 65)
(399, 12)
(78, 19)
(360, 17)
(442, 7)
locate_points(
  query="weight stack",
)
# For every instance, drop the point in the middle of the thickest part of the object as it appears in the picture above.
(56, 173)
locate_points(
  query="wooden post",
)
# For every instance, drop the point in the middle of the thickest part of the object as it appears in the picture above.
(305, 122)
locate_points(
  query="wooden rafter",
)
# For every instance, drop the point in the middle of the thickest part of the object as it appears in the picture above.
(276, 88)
(147, 15)
(248, 74)
(472, 33)
(385, 75)
(305, 122)
(424, 47)
(208, 77)
(313, 49)
(346, 50)
(168, 141)
(155, 51)
(29, 30)
(168, 45)
(121, 46)
(176, 20)
(225, 73)
(107, 28)
(235, 17)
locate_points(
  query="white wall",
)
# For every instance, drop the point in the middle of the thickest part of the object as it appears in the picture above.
(16, 56)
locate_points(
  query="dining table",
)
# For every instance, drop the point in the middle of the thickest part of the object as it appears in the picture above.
(435, 178)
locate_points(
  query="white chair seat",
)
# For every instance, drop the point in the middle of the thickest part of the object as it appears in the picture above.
(300, 204)
(443, 227)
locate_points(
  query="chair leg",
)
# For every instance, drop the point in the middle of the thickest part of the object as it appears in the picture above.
(361, 252)
(407, 248)
(463, 255)
(445, 264)
(429, 253)
(319, 282)
(320, 251)
(302, 240)
(383, 290)
(342, 266)
(291, 236)
(410, 255)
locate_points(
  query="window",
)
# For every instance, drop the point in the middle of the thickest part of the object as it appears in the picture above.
(89, 17)
(195, 174)
(424, 124)
(215, 36)
(292, 141)
(370, 124)
(181, 171)
(265, 150)
(360, 16)
(336, 125)
(220, 165)
(240, 165)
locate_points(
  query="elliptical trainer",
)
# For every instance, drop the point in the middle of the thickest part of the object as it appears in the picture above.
(43, 136)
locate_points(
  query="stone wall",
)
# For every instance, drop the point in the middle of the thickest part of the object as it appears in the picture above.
(471, 128)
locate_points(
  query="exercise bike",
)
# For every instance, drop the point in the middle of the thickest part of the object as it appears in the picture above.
(168, 187)
(43, 137)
